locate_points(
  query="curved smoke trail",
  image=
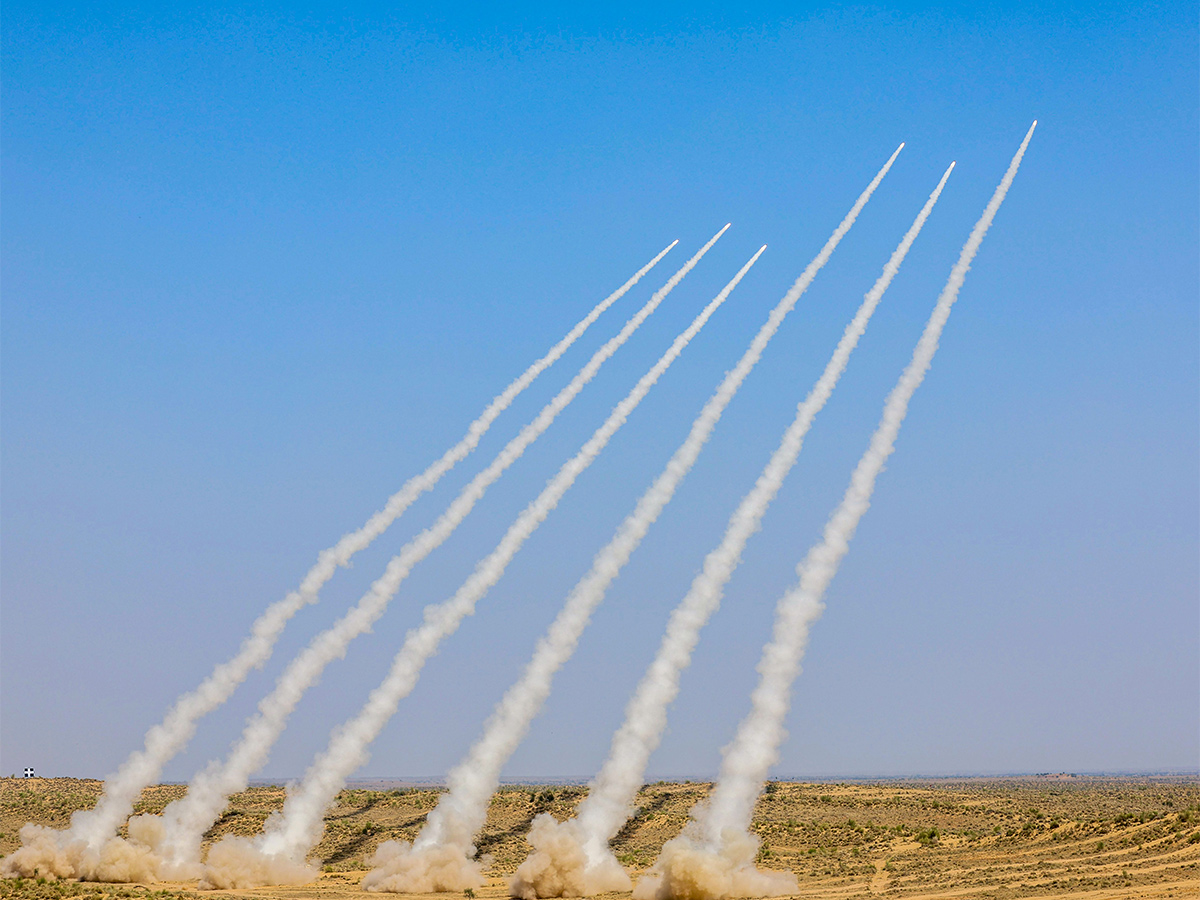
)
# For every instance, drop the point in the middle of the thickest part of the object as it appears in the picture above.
(280, 851)
(718, 842)
(186, 820)
(613, 790)
(121, 789)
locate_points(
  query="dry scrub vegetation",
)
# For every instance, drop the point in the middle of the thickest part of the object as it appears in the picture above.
(979, 838)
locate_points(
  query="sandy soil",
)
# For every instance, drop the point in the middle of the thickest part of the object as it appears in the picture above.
(981, 838)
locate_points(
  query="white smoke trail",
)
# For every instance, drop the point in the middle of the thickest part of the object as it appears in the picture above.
(461, 812)
(289, 836)
(95, 826)
(608, 803)
(187, 819)
(723, 822)
(607, 806)
(305, 807)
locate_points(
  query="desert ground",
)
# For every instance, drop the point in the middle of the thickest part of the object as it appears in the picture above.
(1047, 836)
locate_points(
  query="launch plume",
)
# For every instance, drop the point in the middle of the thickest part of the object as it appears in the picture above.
(187, 819)
(298, 829)
(723, 821)
(611, 796)
(95, 826)
(756, 745)
(451, 826)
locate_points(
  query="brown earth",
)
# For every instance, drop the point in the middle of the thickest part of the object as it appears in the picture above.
(1056, 836)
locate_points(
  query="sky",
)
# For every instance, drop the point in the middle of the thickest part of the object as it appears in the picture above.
(259, 266)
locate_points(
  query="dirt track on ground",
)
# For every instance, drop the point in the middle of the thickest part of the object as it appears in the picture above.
(918, 840)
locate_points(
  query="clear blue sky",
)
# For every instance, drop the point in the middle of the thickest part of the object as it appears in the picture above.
(260, 266)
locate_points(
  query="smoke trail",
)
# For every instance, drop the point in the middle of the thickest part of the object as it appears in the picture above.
(607, 806)
(447, 838)
(723, 822)
(289, 836)
(186, 820)
(93, 827)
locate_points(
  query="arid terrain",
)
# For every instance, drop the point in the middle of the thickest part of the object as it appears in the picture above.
(1055, 836)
